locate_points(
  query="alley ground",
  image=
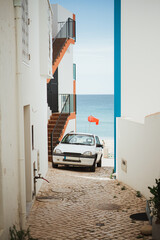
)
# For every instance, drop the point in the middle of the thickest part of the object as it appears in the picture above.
(78, 204)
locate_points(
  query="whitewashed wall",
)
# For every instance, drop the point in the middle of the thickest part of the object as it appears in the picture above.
(21, 84)
(65, 72)
(138, 146)
(33, 85)
(65, 68)
(137, 135)
(71, 126)
(8, 121)
(61, 14)
(140, 51)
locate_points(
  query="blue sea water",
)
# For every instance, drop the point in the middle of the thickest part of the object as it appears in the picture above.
(99, 106)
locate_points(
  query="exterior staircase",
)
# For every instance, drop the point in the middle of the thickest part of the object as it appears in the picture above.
(58, 131)
(58, 121)
(60, 46)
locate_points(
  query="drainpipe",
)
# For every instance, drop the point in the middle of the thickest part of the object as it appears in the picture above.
(21, 160)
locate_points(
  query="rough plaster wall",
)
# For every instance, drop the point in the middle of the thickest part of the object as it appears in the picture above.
(8, 119)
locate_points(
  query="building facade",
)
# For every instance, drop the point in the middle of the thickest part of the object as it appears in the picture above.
(61, 89)
(138, 125)
(25, 66)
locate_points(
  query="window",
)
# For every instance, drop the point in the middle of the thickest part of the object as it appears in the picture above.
(78, 139)
(25, 32)
(74, 71)
(97, 140)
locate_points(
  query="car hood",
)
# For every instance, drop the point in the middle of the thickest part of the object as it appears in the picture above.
(75, 148)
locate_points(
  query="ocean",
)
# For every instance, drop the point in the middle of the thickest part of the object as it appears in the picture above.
(99, 106)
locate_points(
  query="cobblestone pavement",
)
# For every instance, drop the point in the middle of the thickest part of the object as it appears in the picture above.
(78, 204)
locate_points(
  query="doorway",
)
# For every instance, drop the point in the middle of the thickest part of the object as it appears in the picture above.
(52, 93)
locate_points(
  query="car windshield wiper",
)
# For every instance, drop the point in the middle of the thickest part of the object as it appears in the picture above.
(77, 143)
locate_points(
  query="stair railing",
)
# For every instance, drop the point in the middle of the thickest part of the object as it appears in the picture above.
(67, 101)
(67, 31)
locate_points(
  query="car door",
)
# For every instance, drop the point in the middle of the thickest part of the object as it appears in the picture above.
(98, 149)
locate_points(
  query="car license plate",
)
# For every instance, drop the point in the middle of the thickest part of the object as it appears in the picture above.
(71, 159)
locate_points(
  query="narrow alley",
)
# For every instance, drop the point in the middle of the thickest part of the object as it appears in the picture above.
(78, 204)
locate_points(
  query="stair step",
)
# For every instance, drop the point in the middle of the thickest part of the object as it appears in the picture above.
(53, 122)
(57, 132)
(57, 46)
(49, 149)
(50, 158)
(59, 125)
(54, 119)
(56, 136)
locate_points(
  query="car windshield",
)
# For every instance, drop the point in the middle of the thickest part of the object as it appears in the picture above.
(78, 139)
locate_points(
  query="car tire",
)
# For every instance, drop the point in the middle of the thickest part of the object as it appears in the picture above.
(99, 164)
(93, 168)
(54, 165)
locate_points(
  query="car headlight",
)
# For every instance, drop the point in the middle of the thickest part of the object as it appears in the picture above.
(87, 153)
(57, 151)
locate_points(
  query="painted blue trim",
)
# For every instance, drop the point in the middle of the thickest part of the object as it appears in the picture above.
(117, 68)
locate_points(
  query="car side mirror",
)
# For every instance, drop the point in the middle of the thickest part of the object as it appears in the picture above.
(99, 145)
(57, 142)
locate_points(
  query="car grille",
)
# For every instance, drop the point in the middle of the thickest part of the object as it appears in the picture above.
(72, 154)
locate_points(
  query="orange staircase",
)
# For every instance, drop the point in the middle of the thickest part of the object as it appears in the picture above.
(60, 46)
(58, 121)
(58, 130)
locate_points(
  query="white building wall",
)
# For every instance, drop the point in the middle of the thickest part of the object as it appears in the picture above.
(8, 121)
(140, 61)
(65, 72)
(33, 85)
(138, 147)
(138, 140)
(33, 90)
(71, 126)
(21, 84)
(60, 15)
(65, 67)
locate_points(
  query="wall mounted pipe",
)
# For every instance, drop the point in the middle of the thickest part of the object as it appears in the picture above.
(21, 160)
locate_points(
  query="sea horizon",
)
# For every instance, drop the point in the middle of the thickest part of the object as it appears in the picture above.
(100, 106)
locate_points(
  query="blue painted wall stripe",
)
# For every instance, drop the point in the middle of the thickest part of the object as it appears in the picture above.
(117, 68)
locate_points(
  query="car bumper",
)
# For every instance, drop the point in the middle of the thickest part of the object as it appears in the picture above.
(73, 160)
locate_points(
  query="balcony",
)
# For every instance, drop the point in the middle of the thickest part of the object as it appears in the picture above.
(65, 37)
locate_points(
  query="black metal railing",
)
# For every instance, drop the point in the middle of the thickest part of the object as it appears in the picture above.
(71, 106)
(67, 31)
(67, 102)
(63, 104)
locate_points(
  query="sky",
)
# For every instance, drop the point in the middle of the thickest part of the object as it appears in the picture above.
(94, 47)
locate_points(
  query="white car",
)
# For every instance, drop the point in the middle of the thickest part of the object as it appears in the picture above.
(78, 149)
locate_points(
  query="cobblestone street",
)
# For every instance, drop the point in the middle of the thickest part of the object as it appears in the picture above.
(78, 204)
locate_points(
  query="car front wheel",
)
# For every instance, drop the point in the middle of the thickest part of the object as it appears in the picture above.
(54, 165)
(93, 168)
(99, 164)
